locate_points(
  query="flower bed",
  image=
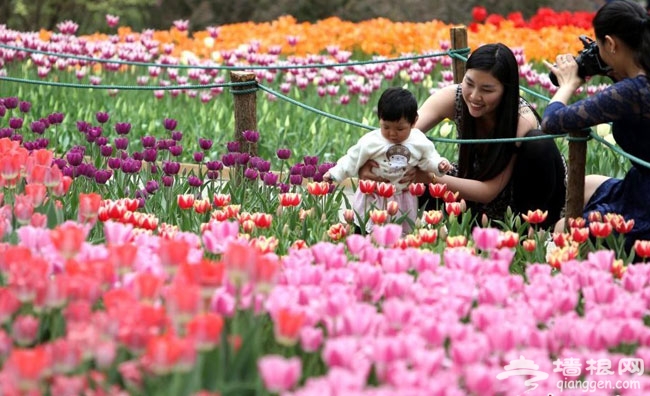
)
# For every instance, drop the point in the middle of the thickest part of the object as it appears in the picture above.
(121, 272)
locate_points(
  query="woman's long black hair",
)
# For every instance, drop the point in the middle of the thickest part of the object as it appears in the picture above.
(498, 60)
(628, 21)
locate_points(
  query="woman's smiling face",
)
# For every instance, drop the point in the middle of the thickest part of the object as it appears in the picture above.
(482, 92)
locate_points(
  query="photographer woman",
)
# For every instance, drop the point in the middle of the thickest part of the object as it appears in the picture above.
(491, 177)
(622, 33)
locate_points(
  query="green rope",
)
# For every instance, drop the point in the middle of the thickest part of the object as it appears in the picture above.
(243, 91)
(453, 53)
(315, 110)
(492, 140)
(126, 87)
(620, 151)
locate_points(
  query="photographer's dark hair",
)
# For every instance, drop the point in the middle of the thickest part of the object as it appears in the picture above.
(396, 103)
(628, 21)
(498, 60)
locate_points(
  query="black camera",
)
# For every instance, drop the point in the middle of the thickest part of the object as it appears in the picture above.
(589, 61)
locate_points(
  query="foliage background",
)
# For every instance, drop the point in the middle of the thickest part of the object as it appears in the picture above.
(31, 15)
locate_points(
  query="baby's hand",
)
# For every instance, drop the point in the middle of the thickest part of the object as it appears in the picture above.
(327, 177)
(444, 166)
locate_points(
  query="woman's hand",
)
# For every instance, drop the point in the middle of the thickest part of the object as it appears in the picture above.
(366, 173)
(416, 175)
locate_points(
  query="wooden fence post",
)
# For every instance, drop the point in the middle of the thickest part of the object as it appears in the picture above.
(245, 109)
(458, 36)
(576, 174)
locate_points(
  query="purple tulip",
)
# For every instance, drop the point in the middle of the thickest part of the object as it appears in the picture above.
(171, 168)
(177, 136)
(82, 126)
(60, 163)
(42, 142)
(325, 166)
(194, 181)
(122, 128)
(131, 165)
(250, 174)
(150, 155)
(106, 151)
(15, 123)
(114, 163)
(270, 179)
(263, 166)
(198, 156)
(29, 146)
(214, 165)
(151, 186)
(45, 122)
(55, 118)
(169, 124)
(17, 137)
(296, 169)
(74, 157)
(228, 159)
(205, 144)
(121, 143)
(310, 160)
(212, 175)
(24, 106)
(11, 102)
(3, 110)
(102, 117)
(284, 188)
(137, 155)
(243, 158)
(233, 147)
(6, 132)
(176, 150)
(296, 180)
(148, 141)
(283, 153)
(101, 141)
(102, 175)
(251, 136)
(37, 127)
(167, 181)
(308, 171)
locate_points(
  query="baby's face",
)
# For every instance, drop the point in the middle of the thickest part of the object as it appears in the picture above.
(395, 131)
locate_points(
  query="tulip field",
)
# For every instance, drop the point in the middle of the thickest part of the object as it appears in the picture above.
(148, 249)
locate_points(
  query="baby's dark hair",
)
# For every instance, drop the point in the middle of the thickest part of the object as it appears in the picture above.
(395, 103)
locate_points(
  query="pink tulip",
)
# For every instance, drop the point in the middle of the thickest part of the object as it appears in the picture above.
(311, 338)
(322, 250)
(469, 350)
(218, 234)
(397, 285)
(223, 303)
(359, 320)
(494, 290)
(393, 260)
(486, 238)
(426, 261)
(481, 380)
(117, 233)
(24, 329)
(369, 281)
(356, 243)
(386, 235)
(279, 374)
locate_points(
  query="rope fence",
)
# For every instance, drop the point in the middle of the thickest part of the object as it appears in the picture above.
(244, 87)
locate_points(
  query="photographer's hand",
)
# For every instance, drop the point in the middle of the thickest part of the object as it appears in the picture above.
(566, 71)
